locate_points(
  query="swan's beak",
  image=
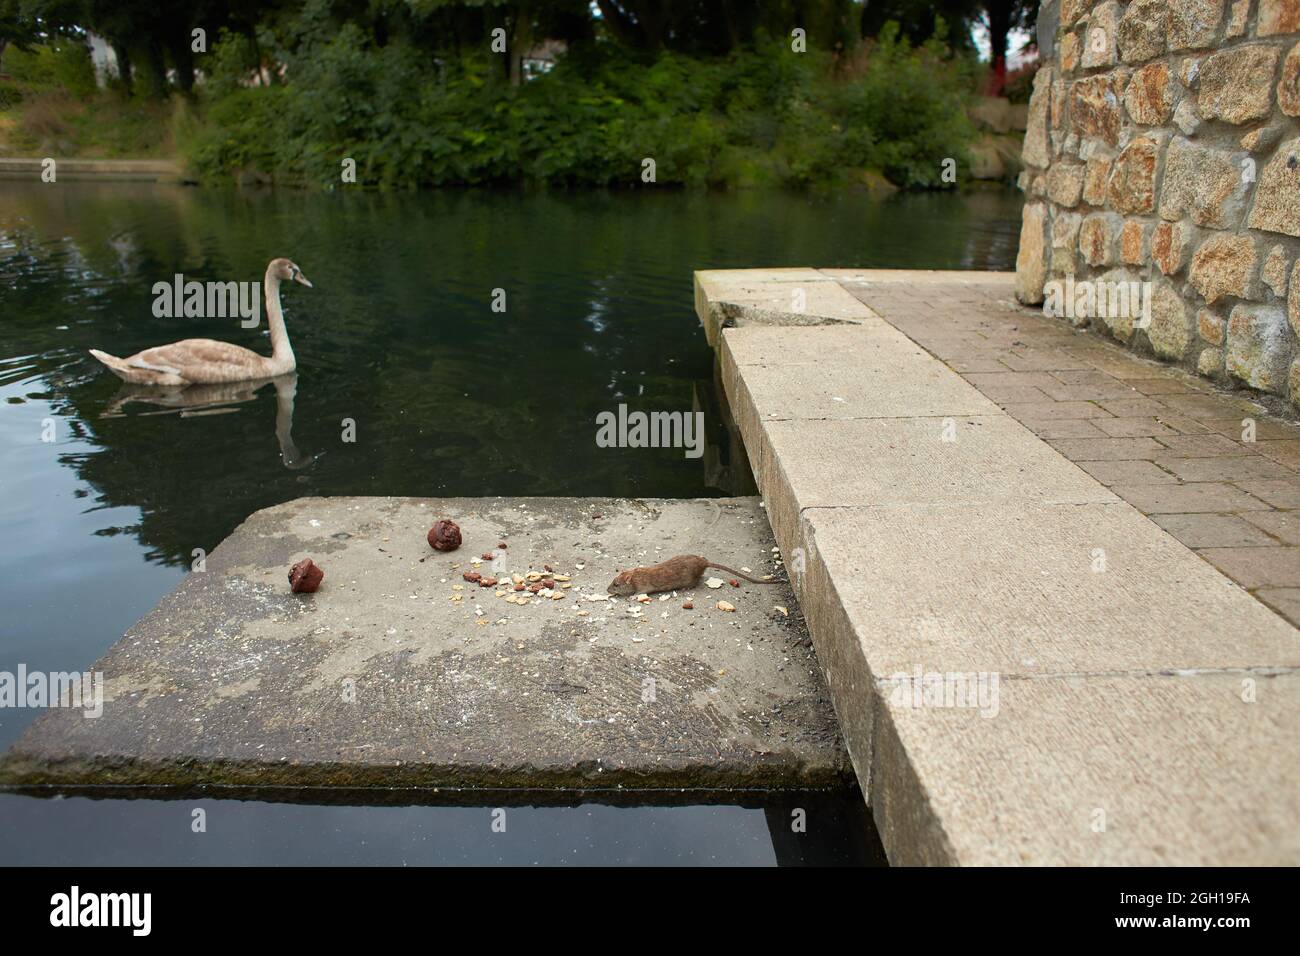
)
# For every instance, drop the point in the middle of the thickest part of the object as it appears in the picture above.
(299, 277)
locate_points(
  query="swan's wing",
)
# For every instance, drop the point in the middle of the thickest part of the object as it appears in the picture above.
(199, 359)
(136, 362)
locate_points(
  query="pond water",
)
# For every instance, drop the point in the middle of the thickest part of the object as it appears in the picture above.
(446, 396)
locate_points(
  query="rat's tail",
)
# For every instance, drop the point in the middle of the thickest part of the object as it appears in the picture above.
(723, 567)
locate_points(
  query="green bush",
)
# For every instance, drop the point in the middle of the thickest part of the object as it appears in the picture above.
(62, 62)
(11, 94)
(758, 117)
(910, 103)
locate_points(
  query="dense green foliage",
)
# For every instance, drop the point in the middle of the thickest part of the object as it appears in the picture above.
(50, 105)
(755, 117)
(441, 92)
(60, 63)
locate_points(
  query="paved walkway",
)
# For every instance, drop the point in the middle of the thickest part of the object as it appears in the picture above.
(1170, 444)
(1128, 702)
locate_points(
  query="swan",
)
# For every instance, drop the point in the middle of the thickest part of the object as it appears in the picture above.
(209, 362)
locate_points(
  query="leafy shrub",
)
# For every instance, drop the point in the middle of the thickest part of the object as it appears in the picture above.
(62, 62)
(910, 102)
(759, 116)
(11, 94)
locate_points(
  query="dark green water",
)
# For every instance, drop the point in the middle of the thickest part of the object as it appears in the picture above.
(447, 396)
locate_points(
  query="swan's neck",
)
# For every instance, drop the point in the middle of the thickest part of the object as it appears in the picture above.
(281, 350)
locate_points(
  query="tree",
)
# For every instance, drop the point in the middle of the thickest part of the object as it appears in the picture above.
(147, 38)
(16, 28)
(1001, 17)
(465, 25)
(917, 19)
(719, 26)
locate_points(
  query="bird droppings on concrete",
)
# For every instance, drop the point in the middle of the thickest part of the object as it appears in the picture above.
(401, 671)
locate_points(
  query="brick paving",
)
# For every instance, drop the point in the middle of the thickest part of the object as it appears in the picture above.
(1171, 444)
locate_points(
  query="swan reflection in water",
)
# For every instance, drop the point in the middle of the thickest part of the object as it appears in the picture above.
(192, 401)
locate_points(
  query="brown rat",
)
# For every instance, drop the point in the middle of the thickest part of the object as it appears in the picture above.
(675, 574)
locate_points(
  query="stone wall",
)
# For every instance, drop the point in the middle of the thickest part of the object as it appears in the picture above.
(1163, 148)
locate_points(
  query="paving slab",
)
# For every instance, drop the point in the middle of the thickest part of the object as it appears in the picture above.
(891, 381)
(1209, 530)
(958, 460)
(736, 297)
(962, 459)
(1103, 771)
(398, 672)
(821, 346)
(918, 279)
(999, 556)
(1031, 589)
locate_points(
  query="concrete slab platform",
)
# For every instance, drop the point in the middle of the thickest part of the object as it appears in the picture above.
(398, 672)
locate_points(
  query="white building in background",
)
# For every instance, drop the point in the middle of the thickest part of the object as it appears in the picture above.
(104, 59)
(541, 58)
